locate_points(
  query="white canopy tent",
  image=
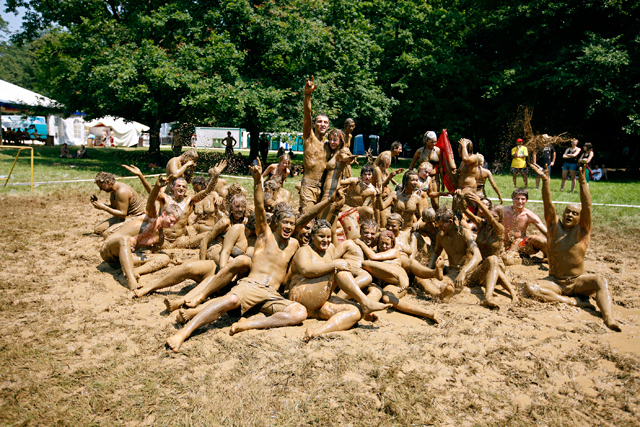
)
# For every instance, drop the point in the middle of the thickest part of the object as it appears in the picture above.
(125, 134)
(12, 96)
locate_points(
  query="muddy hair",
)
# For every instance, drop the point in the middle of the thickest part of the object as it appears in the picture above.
(444, 214)
(199, 180)
(319, 225)
(237, 198)
(499, 210)
(105, 178)
(340, 135)
(271, 186)
(387, 233)
(251, 221)
(348, 122)
(396, 217)
(405, 179)
(190, 154)
(173, 209)
(280, 211)
(366, 168)
(396, 144)
(429, 213)
(369, 224)
(520, 191)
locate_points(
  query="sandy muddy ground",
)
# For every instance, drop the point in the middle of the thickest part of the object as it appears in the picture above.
(78, 350)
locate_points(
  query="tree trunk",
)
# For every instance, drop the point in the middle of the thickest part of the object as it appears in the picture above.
(254, 135)
(154, 141)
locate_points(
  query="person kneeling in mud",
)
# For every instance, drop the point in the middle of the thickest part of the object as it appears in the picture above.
(142, 232)
(462, 251)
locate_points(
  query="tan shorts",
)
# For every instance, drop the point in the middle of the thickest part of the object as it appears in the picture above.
(310, 193)
(252, 293)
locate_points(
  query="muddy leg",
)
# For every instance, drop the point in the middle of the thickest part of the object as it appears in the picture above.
(292, 315)
(347, 283)
(213, 283)
(194, 270)
(209, 314)
(155, 262)
(390, 296)
(340, 317)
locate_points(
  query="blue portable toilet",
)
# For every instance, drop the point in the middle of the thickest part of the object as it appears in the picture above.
(358, 145)
(373, 144)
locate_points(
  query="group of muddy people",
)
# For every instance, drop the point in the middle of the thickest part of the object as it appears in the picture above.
(354, 247)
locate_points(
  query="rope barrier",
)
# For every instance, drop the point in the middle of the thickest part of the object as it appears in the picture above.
(245, 177)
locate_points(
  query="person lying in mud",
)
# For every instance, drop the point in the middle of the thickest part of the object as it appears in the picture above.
(272, 253)
(124, 202)
(462, 250)
(568, 238)
(517, 219)
(490, 241)
(138, 233)
(316, 273)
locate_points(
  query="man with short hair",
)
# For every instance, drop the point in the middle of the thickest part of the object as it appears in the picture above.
(314, 154)
(519, 155)
(273, 251)
(517, 219)
(182, 166)
(124, 202)
(462, 251)
(569, 238)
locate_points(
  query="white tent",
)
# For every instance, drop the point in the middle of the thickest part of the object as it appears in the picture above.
(67, 131)
(12, 96)
(125, 133)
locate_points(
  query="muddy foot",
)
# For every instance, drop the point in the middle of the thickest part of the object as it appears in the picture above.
(193, 302)
(371, 317)
(613, 325)
(371, 306)
(492, 305)
(308, 335)
(239, 326)
(448, 292)
(173, 305)
(175, 342)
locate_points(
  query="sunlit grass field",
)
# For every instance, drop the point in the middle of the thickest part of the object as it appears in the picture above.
(49, 167)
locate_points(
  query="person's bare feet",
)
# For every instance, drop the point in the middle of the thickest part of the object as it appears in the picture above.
(488, 303)
(613, 325)
(240, 326)
(370, 306)
(173, 305)
(193, 301)
(184, 315)
(308, 335)
(371, 317)
(447, 293)
(175, 342)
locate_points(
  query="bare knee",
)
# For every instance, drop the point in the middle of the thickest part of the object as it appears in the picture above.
(298, 312)
(532, 289)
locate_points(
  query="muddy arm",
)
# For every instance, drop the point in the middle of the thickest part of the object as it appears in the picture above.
(307, 127)
(585, 199)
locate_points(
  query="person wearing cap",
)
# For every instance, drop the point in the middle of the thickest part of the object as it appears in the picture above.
(519, 154)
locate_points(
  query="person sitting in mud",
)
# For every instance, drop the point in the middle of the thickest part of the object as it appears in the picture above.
(207, 211)
(369, 232)
(517, 219)
(490, 241)
(316, 272)
(237, 215)
(274, 186)
(359, 191)
(280, 170)
(124, 202)
(465, 177)
(175, 237)
(423, 244)
(386, 266)
(182, 166)
(235, 261)
(272, 253)
(569, 238)
(407, 202)
(462, 251)
(482, 177)
(141, 232)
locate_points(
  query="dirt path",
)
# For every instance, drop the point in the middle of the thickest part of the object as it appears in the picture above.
(76, 349)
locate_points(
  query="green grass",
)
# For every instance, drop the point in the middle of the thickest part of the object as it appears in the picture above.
(48, 166)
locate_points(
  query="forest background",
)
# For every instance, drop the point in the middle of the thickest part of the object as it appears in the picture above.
(399, 68)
